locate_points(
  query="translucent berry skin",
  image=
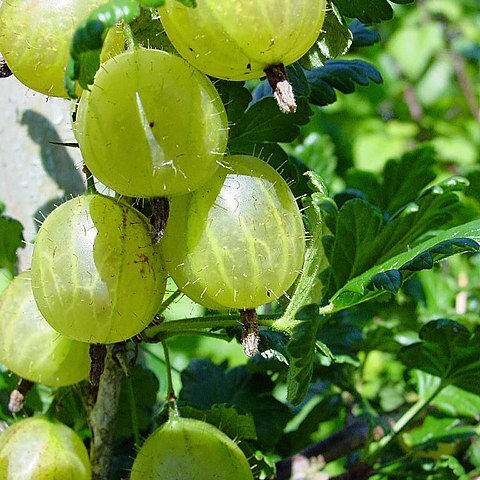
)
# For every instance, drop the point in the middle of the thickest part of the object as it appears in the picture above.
(187, 449)
(239, 241)
(38, 449)
(239, 39)
(96, 275)
(35, 39)
(151, 125)
(30, 347)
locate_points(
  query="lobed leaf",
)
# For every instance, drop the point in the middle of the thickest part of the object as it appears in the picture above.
(143, 385)
(88, 41)
(206, 385)
(11, 239)
(452, 401)
(341, 75)
(368, 11)
(363, 236)
(400, 182)
(227, 419)
(449, 351)
(334, 40)
(301, 352)
(463, 238)
(260, 128)
(362, 35)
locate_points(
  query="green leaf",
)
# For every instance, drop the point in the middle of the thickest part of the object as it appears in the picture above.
(263, 123)
(363, 236)
(435, 431)
(447, 350)
(362, 35)
(227, 419)
(148, 32)
(301, 352)
(88, 41)
(401, 180)
(341, 75)
(368, 11)
(206, 385)
(357, 228)
(452, 401)
(235, 97)
(11, 239)
(390, 281)
(187, 3)
(144, 387)
(308, 287)
(463, 238)
(334, 40)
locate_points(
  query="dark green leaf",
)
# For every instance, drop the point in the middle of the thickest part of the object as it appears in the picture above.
(363, 237)
(309, 288)
(143, 385)
(390, 281)
(298, 79)
(88, 41)
(343, 335)
(446, 350)
(235, 97)
(227, 419)
(11, 239)
(341, 75)
(326, 408)
(259, 129)
(463, 238)
(363, 36)
(368, 11)
(402, 180)
(148, 31)
(301, 352)
(264, 123)
(433, 431)
(334, 40)
(452, 401)
(357, 228)
(188, 3)
(381, 339)
(206, 385)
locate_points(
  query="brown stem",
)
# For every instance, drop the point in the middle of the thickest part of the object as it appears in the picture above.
(250, 335)
(341, 443)
(103, 415)
(18, 396)
(466, 86)
(282, 88)
(161, 210)
(4, 69)
(97, 356)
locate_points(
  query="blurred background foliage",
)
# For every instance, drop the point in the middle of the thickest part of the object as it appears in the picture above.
(429, 57)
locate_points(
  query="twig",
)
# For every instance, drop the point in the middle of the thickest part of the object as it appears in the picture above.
(282, 88)
(103, 416)
(341, 443)
(161, 210)
(4, 70)
(19, 395)
(250, 334)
